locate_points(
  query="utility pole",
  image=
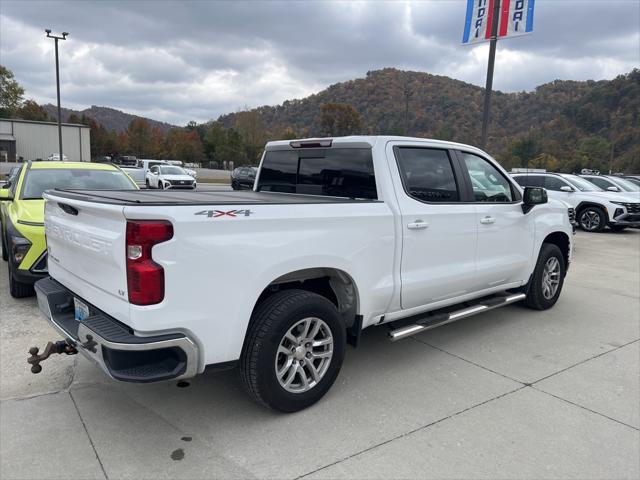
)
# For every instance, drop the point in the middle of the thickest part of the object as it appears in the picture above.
(489, 85)
(56, 38)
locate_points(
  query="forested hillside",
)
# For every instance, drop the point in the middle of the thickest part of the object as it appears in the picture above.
(562, 125)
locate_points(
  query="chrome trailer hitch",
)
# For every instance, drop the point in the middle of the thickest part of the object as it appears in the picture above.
(61, 346)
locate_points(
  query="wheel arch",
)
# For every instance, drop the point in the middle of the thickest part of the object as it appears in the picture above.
(334, 284)
(582, 205)
(562, 241)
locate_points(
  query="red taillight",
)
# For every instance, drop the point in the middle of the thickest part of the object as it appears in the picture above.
(145, 278)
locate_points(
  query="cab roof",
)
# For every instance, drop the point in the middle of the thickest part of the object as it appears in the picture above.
(74, 165)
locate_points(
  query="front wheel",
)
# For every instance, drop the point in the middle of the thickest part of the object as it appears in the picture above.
(146, 182)
(592, 219)
(547, 279)
(293, 350)
(160, 186)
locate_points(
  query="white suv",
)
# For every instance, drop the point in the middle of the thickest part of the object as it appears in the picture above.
(595, 208)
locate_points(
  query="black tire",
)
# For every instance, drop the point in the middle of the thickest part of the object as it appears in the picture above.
(536, 298)
(146, 182)
(618, 228)
(235, 186)
(269, 323)
(160, 186)
(5, 252)
(18, 289)
(592, 219)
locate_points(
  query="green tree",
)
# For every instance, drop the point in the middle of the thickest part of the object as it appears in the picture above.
(594, 152)
(338, 119)
(10, 93)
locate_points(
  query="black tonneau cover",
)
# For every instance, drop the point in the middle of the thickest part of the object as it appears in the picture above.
(194, 197)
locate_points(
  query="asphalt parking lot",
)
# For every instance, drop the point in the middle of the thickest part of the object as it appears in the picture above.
(509, 394)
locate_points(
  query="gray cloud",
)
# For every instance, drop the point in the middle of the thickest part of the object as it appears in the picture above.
(178, 61)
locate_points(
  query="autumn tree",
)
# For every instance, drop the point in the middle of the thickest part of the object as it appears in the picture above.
(253, 132)
(181, 144)
(339, 119)
(139, 137)
(30, 110)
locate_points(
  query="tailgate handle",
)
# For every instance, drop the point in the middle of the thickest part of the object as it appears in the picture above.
(68, 209)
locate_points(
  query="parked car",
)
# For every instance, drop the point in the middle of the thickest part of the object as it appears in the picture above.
(339, 235)
(22, 214)
(595, 208)
(169, 177)
(55, 157)
(138, 172)
(243, 177)
(635, 179)
(612, 183)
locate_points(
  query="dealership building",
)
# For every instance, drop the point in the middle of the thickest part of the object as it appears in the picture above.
(22, 140)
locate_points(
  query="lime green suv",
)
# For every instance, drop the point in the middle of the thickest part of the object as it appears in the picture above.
(22, 212)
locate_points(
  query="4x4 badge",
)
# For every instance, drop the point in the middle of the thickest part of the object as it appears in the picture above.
(222, 213)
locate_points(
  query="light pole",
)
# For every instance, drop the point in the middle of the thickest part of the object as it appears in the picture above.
(56, 38)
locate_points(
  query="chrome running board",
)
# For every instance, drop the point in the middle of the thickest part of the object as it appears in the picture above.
(428, 322)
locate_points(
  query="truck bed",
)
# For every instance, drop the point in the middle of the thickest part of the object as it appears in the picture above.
(177, 197)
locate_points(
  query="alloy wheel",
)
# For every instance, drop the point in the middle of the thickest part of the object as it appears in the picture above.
(590, 220)
(550, 278)
(304, 355)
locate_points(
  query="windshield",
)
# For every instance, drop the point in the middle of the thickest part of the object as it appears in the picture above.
(172, 171)
(41, 179)
(625, 185)
(581, 184)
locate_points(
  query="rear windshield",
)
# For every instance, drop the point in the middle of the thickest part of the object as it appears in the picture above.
(334, 172)
(41, 179)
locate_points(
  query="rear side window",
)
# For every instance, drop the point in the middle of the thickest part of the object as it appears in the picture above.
(427, 174)
(335, 172)
(530, 180)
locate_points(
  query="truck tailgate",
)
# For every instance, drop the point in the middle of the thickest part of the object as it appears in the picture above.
(86, 251)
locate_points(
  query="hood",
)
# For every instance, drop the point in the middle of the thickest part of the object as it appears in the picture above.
(177, 177)
(627, 197)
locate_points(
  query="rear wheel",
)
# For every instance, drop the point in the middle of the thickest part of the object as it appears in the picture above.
(592, 219)
(547, 279)
(19, 289)
(293, 351)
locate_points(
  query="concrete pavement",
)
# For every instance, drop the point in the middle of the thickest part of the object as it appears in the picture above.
(509, 394)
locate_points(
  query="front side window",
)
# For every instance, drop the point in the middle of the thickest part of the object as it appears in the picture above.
(427, 174)
(41, 179)
(335, 172)
(489, 185)
(555, 184)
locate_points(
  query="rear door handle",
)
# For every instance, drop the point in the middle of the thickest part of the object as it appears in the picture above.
(487, 220)
(417, 225)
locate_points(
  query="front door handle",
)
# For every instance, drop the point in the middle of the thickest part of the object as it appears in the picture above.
(487, 220)
(417, 225)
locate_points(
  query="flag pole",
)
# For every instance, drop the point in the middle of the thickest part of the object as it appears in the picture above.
(489, 84)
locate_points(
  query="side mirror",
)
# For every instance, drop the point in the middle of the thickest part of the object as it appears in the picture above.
(613, 189)
(533, 196)
(566, 188)
(5, 194)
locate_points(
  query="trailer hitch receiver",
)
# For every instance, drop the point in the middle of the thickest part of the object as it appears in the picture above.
(62, 346)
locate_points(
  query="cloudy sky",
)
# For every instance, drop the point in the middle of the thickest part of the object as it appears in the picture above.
(195, 60)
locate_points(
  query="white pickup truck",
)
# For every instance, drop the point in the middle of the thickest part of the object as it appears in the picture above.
(338, 235)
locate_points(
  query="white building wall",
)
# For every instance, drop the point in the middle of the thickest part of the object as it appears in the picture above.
(39, 140)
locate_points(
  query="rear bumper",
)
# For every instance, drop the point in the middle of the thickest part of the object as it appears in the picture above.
(112, 345)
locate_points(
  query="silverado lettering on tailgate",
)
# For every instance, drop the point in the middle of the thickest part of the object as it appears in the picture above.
(81, 239)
